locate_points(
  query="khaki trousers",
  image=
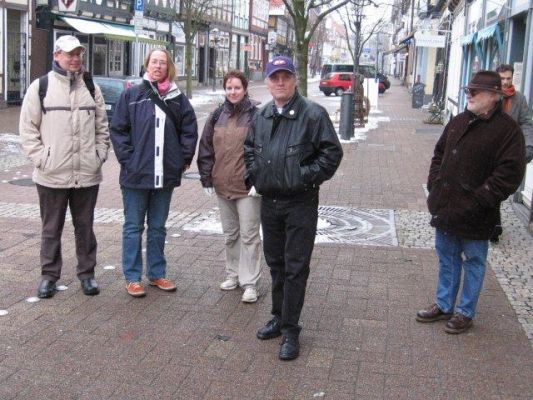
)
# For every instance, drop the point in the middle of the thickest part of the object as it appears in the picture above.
(240, 221)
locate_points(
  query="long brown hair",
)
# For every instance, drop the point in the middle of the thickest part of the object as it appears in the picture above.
(171, 72)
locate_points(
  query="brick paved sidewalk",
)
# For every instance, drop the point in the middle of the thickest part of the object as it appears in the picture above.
(360, 339)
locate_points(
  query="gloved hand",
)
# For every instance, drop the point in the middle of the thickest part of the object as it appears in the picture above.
(209, 191)
(253, 192)
(529, 153)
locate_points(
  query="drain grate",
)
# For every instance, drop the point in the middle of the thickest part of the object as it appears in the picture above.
(430, 130)
(22, 182)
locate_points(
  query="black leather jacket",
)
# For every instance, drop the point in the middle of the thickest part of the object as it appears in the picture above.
(293, 152)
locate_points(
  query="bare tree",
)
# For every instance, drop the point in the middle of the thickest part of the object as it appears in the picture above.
(299, 12)
(192, 19)
(350, 17)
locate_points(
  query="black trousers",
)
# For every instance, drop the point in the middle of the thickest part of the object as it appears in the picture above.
(289, 229)
(53, 204)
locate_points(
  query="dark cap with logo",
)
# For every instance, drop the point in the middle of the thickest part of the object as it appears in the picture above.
(280, 63)
(486, 80)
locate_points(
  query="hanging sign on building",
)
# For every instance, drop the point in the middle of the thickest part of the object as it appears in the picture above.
(423, 39)
(67, 5)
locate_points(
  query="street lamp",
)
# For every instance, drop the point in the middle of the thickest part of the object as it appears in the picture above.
(215, 36)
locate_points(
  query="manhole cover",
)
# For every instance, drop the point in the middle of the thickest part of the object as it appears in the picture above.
(335, 225)
(191, 175)
(22, 182)
(356, 226)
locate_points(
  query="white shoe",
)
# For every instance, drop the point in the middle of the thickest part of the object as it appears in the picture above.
(229, 284)
(249, 295)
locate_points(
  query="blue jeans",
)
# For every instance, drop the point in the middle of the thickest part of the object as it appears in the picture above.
(450, 249)
(152, 205)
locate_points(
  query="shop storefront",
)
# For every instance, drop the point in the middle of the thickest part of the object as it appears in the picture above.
(110, 47)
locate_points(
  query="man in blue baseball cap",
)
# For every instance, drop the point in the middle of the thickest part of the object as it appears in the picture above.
(290, 150)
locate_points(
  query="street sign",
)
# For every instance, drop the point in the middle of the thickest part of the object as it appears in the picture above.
(138, 22)
(139, 5)
(67, 5)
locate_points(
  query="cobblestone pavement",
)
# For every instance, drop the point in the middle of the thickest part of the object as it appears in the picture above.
(360, 339)
(510, 259)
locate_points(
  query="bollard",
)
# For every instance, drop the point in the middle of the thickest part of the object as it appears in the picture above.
(346, 123)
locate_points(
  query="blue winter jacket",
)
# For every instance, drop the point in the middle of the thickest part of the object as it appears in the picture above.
(150, 149)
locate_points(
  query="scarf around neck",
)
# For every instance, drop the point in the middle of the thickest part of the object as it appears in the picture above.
(162, 87)
(508, 93)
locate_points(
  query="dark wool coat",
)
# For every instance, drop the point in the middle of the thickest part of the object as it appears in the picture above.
(478, 163)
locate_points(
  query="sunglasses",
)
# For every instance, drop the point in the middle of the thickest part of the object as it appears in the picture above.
(471, 92)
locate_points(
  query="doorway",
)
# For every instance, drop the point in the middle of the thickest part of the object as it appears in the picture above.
(16, 72)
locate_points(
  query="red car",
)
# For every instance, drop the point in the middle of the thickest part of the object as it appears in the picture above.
(339, 82)
(336, 82)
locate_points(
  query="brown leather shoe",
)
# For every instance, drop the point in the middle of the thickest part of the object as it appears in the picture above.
(458, 324)
(163, 284)
(431, 314)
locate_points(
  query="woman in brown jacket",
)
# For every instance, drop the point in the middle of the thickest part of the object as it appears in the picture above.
(221, 167)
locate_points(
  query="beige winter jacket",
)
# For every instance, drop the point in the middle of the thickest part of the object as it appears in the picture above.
(68, 144)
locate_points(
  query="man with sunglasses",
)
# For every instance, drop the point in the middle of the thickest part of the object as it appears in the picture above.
(65, 134)
(478, 162)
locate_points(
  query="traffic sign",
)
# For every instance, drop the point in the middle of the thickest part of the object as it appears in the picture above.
(139, 5)
(138, 22)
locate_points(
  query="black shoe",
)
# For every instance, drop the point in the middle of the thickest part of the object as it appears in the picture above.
(46, 289)
(271, 330)
(290, 348)
(89, 287)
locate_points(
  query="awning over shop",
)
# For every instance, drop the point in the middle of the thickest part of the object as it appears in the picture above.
(396, 49)
(406, 39)
(468, 39)
(107, 29)
(487, 33)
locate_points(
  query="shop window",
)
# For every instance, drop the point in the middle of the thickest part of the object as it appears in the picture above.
(99, 58)
(180, 60)
(116, 58)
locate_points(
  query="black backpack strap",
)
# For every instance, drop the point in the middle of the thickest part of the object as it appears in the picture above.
(43, 87)
(162, 105)
(216, 115)
(88, 79)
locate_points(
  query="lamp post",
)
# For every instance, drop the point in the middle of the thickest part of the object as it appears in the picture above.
(216, 38)
(357, 87)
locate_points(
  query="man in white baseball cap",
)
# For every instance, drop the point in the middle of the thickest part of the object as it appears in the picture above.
(64, 131)
(67, 43)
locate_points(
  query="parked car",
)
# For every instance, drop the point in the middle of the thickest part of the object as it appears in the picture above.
(112, 87)
(336, 82)
(339, 82)
(367, 70)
